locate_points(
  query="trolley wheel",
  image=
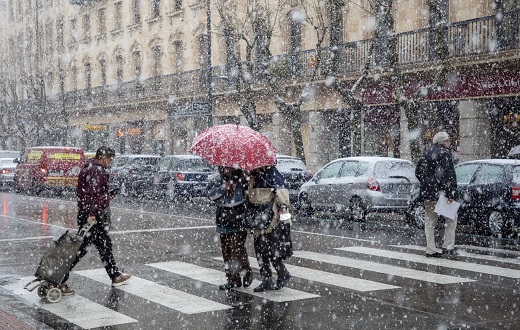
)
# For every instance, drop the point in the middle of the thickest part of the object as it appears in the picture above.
(42, 291)
(54, 295)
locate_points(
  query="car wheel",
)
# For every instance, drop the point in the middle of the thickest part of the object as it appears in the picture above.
(498, 224)
(358, 211)
(416, 215)
(305, 205)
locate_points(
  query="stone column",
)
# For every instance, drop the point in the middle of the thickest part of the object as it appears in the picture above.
(405, 136)
(316, 139)
(148, 138)
(475, 130)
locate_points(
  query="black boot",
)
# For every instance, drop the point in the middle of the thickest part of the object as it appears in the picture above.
(267, 284)
(282, 281)
(248, 279)
(230, 285)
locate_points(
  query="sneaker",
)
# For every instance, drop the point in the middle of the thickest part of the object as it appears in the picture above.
(450, 252)
(434, 255)
(248, 279)
(282, 281)
(65, 290)
(264, 286)
(121, 279)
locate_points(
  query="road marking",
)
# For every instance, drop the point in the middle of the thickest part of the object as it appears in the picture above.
(336, 236)
(75, 309)
(215, 277)
(464, 253)
(488, 249)
(381, 268)
(472, 267)
(119, 232)
(342, 281)
(178, 300)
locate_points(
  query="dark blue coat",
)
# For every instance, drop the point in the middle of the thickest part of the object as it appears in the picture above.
(436, 172)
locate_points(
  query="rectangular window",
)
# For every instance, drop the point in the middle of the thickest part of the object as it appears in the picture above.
(156, 8)
(119, 69)
(73, 30)
(103, 66)
(177, 5)
(59, 33)
(118, 17)
(136, 11)
(49, 37)
(86, 26)
(102, 21)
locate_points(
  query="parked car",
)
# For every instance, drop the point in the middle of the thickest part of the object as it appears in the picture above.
(295, 173)
(489, 193)
(514, 153)
(360, 185)
(7, 167)
(52, 168)
(181, 176)
(9, 154)
(128, 172)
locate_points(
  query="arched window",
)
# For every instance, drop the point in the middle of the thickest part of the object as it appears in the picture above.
(178, 56)
(74, 78)
(88, 77)
(157, 67)
(137, 64)
(103, 71)
(119, 69)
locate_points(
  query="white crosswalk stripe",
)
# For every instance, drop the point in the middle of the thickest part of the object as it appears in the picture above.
(461, 265)
(75, 309)
(342, 281)
(464, 253)
(171, 298)
(216, 277)
(381, 268)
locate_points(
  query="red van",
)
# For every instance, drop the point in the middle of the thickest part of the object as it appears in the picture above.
(48, 167)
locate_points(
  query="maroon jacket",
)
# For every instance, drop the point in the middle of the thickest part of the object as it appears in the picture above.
(92, 189)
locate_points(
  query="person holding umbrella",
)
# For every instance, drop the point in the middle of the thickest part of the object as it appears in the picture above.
(267, 215)
(228, 192)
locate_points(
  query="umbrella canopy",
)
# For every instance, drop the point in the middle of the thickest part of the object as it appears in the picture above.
(234, 146)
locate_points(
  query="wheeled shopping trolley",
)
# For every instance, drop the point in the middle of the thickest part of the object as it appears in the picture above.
(56, 263)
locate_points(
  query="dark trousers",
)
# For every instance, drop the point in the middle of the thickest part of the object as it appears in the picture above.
(266, 254)
(97, 235)
(235, 256)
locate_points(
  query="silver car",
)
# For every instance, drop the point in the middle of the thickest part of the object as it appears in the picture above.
(7, 167)
(359, 185)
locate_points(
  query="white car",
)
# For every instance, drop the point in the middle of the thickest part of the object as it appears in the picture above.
(7, 167)
(359, 185)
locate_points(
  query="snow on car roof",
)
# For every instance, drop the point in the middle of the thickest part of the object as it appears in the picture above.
(493, 161)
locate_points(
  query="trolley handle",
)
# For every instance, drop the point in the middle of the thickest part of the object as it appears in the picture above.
(84, 230)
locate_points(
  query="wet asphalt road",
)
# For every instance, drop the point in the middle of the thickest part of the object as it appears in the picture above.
(345, 275)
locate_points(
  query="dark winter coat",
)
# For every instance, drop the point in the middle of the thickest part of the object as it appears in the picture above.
(92, 189)
(436, 172)
(231, 204)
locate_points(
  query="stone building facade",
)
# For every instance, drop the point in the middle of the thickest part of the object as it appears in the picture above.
(146, 76)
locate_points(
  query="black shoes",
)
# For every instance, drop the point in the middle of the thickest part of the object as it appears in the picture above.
(452, 252)
(264, 286)
(248, 279)
(229, 285)
(434, 255)
(282, 281)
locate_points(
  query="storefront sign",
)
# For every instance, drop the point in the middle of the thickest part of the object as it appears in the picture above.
(478, 84)
(95, 127)
(134, 131)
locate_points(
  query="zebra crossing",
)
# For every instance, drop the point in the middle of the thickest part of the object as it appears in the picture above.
(303, 266)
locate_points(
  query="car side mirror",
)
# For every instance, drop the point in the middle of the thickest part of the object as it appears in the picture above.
(16, 160)
(315, 178)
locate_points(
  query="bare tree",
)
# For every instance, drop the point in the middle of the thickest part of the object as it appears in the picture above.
(289, 100)
(248, 26)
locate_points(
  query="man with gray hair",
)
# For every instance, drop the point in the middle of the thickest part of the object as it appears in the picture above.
(436, 174)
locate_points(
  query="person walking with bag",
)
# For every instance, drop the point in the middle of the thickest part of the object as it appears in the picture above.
(436, 174)
(268, 199)
(228, 192)
(94, 207)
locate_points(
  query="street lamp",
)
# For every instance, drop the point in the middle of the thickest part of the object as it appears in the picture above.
(209, 64)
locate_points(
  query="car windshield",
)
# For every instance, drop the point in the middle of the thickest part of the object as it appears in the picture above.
(516, 174)
(288, 165)
(6, 161)
(195, 165)
(119, 161)
(387, 169)
(143, 161)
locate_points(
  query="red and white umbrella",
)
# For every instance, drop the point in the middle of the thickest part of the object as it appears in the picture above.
(234, 146)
